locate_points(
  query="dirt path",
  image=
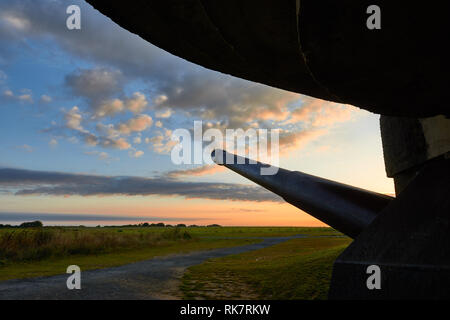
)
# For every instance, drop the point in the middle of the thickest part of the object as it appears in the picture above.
(157, 278)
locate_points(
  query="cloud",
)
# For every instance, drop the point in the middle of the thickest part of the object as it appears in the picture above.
(95, 84)
(30, 182)
(46, 99)
(164, 113)
(103, 90)
(136, 154)
(161, 143)
(320, 113)
(73, 119)
(121, 143)
(200, 171)
(14, 21)
(175, 83)
(174, 86)
(107, 142)
(20, 216)
(26, 96)
(8, 94)
(234, 102)
(296, 140)
(53, 142)
(137, 103)
(136, 124)
(109, 107)
(26, 148)
(98, 154)
(137, 140)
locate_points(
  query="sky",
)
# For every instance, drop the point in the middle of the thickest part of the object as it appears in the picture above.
(86, 118)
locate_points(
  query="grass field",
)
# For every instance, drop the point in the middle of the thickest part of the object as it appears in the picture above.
(301, 267)
(296, 269)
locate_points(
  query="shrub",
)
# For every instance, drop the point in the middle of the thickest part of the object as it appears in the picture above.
(34, 224)
(41, 243)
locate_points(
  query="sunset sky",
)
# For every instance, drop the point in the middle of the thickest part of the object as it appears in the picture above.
(86, 118)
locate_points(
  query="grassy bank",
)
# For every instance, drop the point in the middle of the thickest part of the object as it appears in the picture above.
(26, 253)
(26, 245)
(296, 269)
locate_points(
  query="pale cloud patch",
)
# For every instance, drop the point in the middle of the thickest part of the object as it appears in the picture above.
(26, 95)
(137, 140)
(136, 154)
(46, 99)
(164, 114)
(8, 94)
(158, 124)
(136, 124)
(90, 139)
(200, 171)
(333, 114)
(108, 129)
(318, 112)
(73, 119)
(26, 148)
(296, 140)
(53, 142)
(109, 107)
(14, 21)
(160, 99)
(121, 143)
(98, 154)
(26, 98)
(73, 140)
(137, 103)
(161, 144)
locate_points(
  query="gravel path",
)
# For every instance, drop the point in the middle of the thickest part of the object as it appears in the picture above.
(156, 278)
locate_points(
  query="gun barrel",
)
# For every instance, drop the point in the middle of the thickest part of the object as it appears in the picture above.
(346, 208)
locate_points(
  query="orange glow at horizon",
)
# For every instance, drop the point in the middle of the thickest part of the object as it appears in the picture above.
(174, 209)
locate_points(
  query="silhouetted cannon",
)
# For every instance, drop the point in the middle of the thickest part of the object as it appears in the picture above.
(344, 207)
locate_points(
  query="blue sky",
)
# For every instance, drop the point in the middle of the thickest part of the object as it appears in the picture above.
(100, 101)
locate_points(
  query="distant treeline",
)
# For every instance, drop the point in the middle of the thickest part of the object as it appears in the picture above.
(160, 225)
(32, 224)
(38, 224)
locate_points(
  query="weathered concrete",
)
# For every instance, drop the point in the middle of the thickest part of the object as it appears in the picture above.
(409, 241)
(321, 49)
(408, 143)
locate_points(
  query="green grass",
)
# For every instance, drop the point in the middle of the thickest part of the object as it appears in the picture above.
(260, 231)
(34, 244)
(26, 253)
(57, 265)
(48, 251)
(295, 269)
